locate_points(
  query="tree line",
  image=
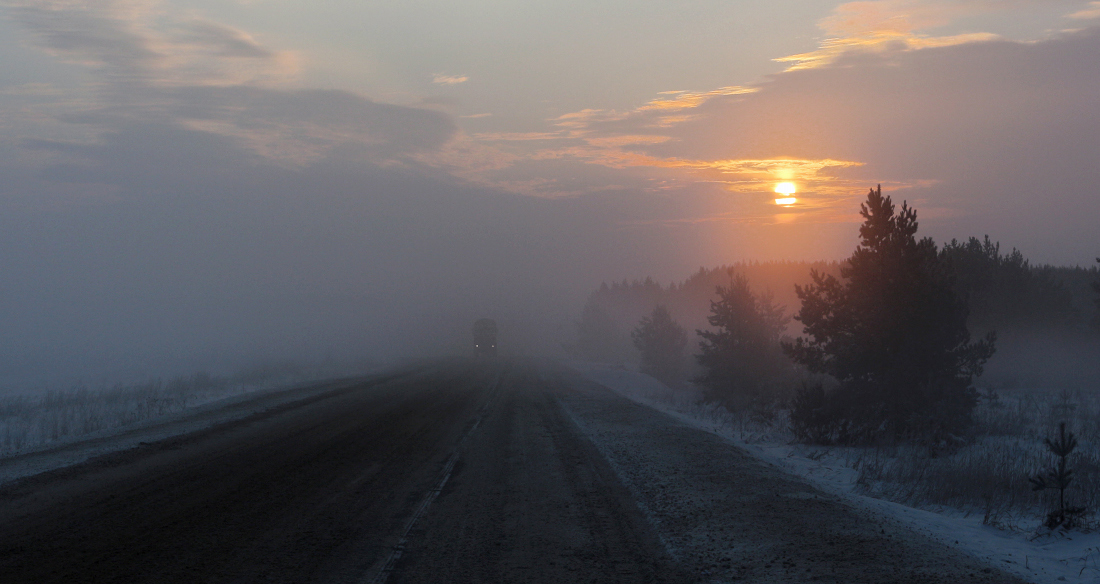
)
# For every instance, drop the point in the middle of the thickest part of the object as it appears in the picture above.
(885, 345)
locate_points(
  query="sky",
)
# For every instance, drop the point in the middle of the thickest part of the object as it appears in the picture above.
(201, 184)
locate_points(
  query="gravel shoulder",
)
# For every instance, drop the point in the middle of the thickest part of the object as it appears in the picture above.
(726, 516)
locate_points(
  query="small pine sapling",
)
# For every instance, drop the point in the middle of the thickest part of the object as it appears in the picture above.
(1059, 477)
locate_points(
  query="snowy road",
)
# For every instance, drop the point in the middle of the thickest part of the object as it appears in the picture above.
(509, 471)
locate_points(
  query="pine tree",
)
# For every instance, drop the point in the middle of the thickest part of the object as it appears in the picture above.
(893, 334)
(661, 341)
(742, 358)
(1059, 477)
(1004, 291)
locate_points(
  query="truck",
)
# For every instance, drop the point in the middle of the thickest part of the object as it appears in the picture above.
(485, 337)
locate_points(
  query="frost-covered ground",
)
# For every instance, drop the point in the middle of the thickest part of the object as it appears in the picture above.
(203, 411)
(1010, 545)
(31, 421)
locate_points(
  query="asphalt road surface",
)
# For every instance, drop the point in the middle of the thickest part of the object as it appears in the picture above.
(464, 471)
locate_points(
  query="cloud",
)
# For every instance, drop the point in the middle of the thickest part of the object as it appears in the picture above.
(688, 99)
(103, 36)
(300, 126)
(442, 79)
(157, 65)
(998, 134)
(225, 41)
(832, 49)
(517, 136)
(146, 43)
(1093, 11)
(881, 25)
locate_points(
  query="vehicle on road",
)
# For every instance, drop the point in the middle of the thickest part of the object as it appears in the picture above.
(485, 338)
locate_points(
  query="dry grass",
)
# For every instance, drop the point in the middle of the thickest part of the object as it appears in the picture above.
(989, 474)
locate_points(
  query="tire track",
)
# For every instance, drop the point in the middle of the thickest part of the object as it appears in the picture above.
(533, 501)
(390, 564)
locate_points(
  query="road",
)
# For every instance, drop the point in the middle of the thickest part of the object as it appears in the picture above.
(461, 471)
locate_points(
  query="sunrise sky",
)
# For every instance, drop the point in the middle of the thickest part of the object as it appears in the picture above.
(190, 168)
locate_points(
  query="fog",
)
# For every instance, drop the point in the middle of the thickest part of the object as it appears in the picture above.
(200, 256)
(180, 194)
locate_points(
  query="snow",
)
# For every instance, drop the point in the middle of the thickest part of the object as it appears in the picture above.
(1054, 558)
(86, 447)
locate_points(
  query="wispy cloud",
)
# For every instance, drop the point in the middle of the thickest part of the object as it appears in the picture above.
(831, 49)
(147, 43)
(154, 64)
(442, 79)
(889, 25)
(223, 40)
(517, 136)
(1092, 11)
(679, 100)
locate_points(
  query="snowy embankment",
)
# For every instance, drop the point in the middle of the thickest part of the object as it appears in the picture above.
(121, 429)
(1051, 558)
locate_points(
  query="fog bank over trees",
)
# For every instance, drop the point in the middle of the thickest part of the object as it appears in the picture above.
(1043, 315)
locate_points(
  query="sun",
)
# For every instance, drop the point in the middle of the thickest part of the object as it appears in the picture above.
(785, 188)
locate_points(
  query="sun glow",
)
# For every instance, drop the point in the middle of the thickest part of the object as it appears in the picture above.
(785, 188)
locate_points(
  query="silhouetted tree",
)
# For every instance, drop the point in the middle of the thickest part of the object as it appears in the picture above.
(1004, 292)
(893, 334)
(742, 359)
(661, 341)
(1059, 477)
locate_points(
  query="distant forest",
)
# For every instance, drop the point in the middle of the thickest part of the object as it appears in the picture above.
(1045, 317)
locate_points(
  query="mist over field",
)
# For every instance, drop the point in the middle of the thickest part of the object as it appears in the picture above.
(332, 263)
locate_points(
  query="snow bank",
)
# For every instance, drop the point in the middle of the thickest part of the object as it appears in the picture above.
(82, 448)
(1061, 557)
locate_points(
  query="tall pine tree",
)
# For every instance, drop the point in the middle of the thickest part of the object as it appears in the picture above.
(893, 334)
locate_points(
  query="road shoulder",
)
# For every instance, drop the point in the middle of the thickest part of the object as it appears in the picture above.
(728, 516)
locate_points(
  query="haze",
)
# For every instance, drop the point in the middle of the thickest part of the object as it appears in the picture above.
(197, 185)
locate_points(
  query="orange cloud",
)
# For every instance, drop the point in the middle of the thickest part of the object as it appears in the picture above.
(888, 24)
(581, 120)
(690, 99)
(610, 139)
(831, 49)
(736, 175)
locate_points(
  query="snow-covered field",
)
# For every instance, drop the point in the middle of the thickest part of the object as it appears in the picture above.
(1008, 540)
(201, 413)
(33, 421)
